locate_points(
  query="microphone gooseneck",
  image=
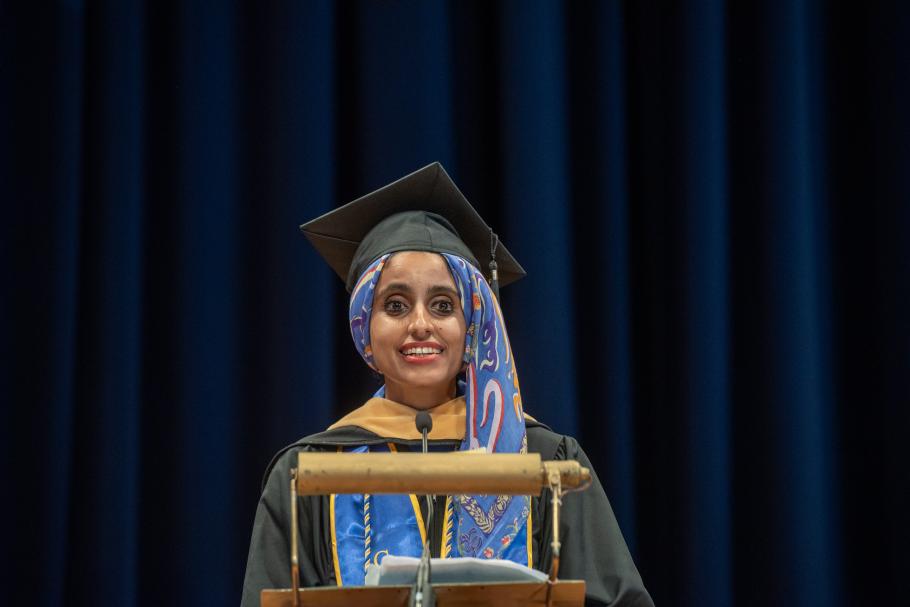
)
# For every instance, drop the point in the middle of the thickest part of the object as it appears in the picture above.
(422, 594)
(424, 423)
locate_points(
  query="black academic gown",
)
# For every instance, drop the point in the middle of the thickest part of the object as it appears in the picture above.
(592, 549)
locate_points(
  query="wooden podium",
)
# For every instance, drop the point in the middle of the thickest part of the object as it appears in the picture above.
(433, 474)
(564, 593)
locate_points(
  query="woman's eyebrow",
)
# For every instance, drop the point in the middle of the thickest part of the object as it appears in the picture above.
(401, 287)
(437, 289)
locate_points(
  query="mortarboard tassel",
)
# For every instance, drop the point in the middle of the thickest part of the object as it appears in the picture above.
(494, 268)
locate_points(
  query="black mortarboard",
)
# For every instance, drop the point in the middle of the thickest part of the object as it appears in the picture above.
(423, 211)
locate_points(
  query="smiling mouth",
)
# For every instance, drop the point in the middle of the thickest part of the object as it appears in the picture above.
(421, 352)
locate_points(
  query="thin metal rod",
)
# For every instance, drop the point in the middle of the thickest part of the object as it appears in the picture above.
(555, 502)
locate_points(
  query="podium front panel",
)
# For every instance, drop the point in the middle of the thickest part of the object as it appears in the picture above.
(566, 593)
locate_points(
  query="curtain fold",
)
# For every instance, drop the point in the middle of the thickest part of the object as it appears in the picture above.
(535, 172)
(704, 385)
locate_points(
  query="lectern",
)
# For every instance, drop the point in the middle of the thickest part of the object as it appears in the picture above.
(434, 474)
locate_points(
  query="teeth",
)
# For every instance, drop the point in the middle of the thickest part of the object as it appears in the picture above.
(421, 351)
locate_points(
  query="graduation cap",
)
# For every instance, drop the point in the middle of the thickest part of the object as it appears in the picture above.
(423, 211)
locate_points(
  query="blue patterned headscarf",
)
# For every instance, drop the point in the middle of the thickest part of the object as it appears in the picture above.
(484, 526)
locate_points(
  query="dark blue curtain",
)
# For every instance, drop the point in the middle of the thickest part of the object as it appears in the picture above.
(712, 201)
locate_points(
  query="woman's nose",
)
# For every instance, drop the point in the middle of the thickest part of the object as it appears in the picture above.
(420, 321)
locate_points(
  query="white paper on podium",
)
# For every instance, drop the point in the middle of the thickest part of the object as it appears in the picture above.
(402, 570)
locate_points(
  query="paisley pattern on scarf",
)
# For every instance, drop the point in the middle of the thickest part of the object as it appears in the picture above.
(483, 526)
(489, 526)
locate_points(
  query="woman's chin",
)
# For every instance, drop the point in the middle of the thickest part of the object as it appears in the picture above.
(427, 384)
(421, 385)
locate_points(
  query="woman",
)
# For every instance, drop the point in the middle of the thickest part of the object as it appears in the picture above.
(425, 317)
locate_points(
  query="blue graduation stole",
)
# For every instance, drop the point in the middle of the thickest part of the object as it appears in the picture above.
(366, 528)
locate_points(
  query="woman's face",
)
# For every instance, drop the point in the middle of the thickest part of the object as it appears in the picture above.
(417, 329)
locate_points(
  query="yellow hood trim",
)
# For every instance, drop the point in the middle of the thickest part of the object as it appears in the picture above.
(389, 419)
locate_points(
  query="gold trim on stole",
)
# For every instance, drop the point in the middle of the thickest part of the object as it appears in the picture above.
(335, 563)
(530, 532)
(444, 549)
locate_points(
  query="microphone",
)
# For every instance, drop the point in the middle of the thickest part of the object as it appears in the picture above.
(422, 594)
(424, 424)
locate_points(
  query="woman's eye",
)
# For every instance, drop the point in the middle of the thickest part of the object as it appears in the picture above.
(444, 307)
(394, 307)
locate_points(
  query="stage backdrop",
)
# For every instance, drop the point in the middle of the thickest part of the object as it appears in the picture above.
(712, 202)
